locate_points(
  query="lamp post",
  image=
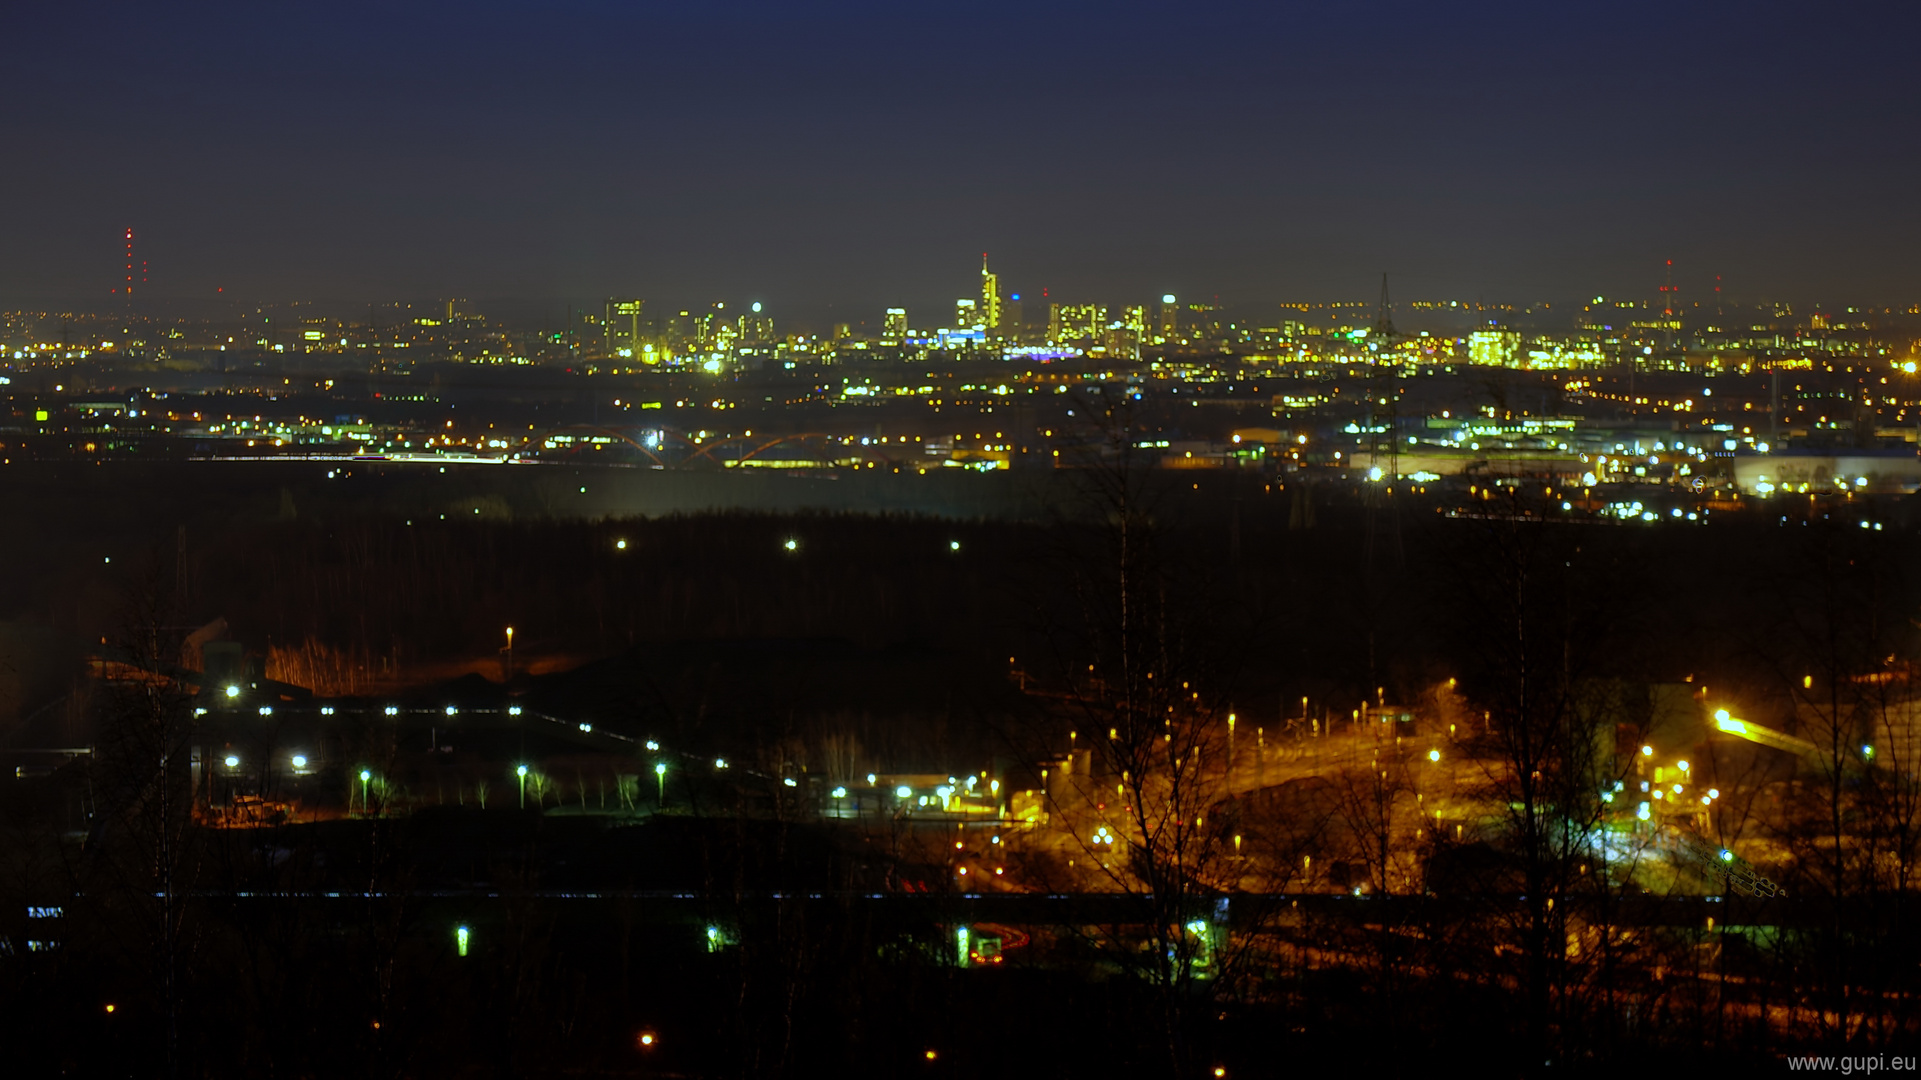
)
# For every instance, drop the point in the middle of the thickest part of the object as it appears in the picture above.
(365, 775)
(660, 774)
(1230, 753)
(522, 773)
(507, 671)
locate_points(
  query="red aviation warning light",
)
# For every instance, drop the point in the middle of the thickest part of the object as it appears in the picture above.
(129, 266)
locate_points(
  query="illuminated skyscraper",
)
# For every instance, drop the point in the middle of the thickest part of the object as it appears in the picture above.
(1076, 322)
(1494, 347)
(623, 327)
(1170, 317)
(894, 327)
(756, 328)
(989, 314)
(967, 315)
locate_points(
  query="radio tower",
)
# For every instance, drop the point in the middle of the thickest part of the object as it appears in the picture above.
(129, 287)
(1668, 298)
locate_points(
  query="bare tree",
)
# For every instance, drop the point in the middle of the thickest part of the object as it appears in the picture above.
(1549, 761)
(141, 849)
(1142, 668)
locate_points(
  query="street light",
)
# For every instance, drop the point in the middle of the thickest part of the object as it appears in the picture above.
(365, 775)
(522, 773)
(660, 774)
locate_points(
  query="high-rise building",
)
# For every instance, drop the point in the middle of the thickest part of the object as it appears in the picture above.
(1493, 347)
(1076, 322)
(989, 313)
(1170, 317)
(756, 328)
(1121, 341)
(967, 315)
(894, 327)
(1134, 317)
(623, 327)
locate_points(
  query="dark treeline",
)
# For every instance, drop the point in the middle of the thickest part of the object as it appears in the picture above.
(1516, 936)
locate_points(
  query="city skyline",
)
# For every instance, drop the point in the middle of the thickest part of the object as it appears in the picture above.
(1676, 291)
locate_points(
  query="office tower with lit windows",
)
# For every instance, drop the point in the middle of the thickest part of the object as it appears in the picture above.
(1170, 317)
(756, 328)
(967, 315)
(1495, 348)
(894, 327)
(1076, 322)
(988, 316)
(623, 327)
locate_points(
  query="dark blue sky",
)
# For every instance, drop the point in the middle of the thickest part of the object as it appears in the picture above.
(865, 154)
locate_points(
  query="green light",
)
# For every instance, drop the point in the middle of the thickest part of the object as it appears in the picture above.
(460, 939)
(521, 771)
(365, 776)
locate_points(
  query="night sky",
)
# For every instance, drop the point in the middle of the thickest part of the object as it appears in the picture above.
(862, 155)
